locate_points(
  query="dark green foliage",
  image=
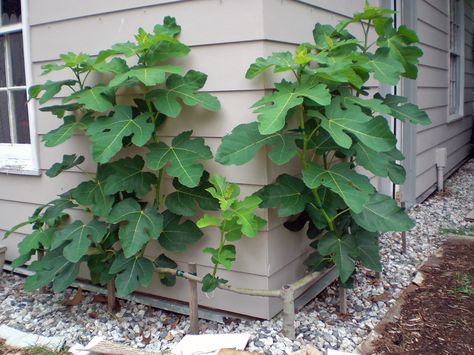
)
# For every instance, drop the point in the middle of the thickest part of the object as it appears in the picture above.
(339, 127)
(123, 196)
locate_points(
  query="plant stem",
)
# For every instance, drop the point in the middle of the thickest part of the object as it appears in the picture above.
(221, 245)
(158, 189)
(340, 213)
(366, 35)
(305, 164)
(322, 210)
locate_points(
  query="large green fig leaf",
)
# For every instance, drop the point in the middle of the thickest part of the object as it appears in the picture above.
(50, 88)
(36, 240)
(340, 249)
(367, 249)
(176, 236)
(138, 226)
(96, 98)
(245, 141)
(80, 236)
(184, 88)
(280, 61)
(381, 214)
(404, 111)
(131, 273)
(373, 132)
(53, 267)
(69, 161)
(148, 76)
(273, 109)
(183, 200)
(386, 69)
(288, 194)
(381, 164)
(92, 193)
(106, 134)
(65, 131)
(397, 41)
(353, 188)
(181, 156)
(375, 105)
(127, 175)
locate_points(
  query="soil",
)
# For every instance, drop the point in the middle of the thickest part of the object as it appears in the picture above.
(436, 317)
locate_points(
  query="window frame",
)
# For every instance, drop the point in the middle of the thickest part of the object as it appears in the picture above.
(460, 54)
(14, 156)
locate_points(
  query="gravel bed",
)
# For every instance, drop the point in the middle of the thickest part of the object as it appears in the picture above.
(318, 323)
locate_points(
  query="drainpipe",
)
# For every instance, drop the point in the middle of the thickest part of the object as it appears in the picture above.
(441, 157)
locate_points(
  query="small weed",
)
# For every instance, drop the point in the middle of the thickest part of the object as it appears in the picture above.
(459, 231)
(34, 350)
(464, 281)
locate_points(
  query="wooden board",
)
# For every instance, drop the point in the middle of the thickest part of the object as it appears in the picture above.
(470, 216)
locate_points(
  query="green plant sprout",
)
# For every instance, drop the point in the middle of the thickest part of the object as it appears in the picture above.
(236, 218)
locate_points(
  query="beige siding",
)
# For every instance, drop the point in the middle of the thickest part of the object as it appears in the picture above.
(433, 23)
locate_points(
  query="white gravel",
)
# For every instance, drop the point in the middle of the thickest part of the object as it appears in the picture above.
(318, 323)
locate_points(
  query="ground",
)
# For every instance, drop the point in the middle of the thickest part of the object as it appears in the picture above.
(437, 317)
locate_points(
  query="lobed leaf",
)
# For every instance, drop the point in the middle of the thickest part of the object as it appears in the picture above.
(353, 188)
(245, 140)
(181, 157)
(137, 227)
(381, 214)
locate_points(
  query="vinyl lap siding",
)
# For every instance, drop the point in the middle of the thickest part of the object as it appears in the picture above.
(433, 94)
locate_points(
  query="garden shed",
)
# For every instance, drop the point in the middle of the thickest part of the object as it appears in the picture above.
(225, 37)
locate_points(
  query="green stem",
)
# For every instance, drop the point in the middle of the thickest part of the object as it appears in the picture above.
(323, 211)
(305, 137)
(158, 189)
(366, 35)
(221, 246)
(340, 213)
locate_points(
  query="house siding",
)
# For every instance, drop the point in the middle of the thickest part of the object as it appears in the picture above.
(432, 28)
(225, 39)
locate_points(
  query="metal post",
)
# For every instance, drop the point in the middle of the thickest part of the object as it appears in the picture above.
(288, 297)
(342, 300)
(193, 302)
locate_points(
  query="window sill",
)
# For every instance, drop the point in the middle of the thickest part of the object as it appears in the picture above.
(455, 117)
(18, 170)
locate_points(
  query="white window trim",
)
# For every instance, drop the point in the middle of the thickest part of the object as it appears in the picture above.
(22, 159)
(460, 114)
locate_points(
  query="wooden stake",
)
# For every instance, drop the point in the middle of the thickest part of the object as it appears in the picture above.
(288, 297)
(39, 256)
(342, 300)
(404, 234)
(193, 302)
(111, 296)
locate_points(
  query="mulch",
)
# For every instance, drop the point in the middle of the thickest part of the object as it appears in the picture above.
(436, 317)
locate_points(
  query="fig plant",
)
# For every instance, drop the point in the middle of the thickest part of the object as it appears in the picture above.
(135, 91)
(236, 219)
(324, 114)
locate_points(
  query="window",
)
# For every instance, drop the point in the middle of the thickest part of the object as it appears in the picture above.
(456, 59)
(17, 153)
